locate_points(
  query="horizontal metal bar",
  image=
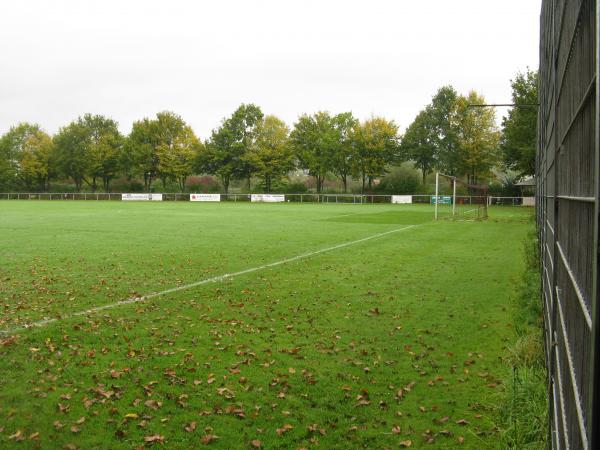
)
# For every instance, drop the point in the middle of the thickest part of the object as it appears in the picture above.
(574, 385)
(577, 199)
(510, 105)
(586, 313)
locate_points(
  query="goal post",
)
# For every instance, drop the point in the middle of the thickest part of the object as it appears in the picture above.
(457, 199)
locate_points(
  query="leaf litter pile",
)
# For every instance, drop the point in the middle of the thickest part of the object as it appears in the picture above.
(394, 344)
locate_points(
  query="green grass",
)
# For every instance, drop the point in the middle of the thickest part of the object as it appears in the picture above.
(389, 340)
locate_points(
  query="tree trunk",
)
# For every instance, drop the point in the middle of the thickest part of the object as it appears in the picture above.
(225, 183)
(345, 182)
(319, 183)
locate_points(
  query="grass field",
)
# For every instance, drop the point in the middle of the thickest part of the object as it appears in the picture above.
(388, 330)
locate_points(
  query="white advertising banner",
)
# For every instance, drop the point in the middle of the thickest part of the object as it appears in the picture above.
(268, 198)
(402, 199)
(142, 197)
(205, 197)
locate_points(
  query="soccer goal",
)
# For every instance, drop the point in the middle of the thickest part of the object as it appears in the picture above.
(455, 199)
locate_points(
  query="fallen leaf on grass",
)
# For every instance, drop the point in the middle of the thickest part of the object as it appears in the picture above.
(208, 438)
(405, 444)
(152, 404)
(8, 341)
(284, 429)
(154, 438)
(256, 443)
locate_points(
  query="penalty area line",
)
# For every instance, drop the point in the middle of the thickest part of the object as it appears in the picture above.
(129, 301)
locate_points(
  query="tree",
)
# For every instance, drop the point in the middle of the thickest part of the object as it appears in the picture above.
(478, 136)
(519, 129)
(343, 151)
(11, 149)
(140, 146)
(89, 149)
(72, 147)
(245, 121)
(314, 139)
(226, 152)
(271, 155)
(376, 145)
(176, 149)
(441, 114)
(105, 145)
(36, 162)
(419, 143)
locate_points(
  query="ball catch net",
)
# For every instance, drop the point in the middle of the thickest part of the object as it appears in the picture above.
(455, 199)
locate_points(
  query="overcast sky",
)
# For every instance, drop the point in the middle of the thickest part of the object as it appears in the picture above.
(129, 59)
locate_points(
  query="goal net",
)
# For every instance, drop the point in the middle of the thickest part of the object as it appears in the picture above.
(455, 199)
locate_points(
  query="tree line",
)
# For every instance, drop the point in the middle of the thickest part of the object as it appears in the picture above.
(448, 135)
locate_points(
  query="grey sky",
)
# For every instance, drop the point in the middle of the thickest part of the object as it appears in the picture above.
(201, 59)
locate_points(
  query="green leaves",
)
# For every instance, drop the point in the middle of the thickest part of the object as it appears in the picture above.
(314, 139)
(226, 153)
(519, 128)
(164, 148)
(376, 145)
(451, 136)
(271, 155)
(89, 149)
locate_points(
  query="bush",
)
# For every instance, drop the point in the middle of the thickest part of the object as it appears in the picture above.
(401, 180)
(204, 184)
(523, 405)
(294, 188)
(125, 185)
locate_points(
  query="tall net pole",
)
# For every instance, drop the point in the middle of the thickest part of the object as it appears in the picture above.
(453, 196)
(437, 187)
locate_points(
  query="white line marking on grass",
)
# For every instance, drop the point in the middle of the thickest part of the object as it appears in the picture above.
(43, 323)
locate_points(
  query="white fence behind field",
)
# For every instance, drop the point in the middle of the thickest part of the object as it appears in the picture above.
(294, 198)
